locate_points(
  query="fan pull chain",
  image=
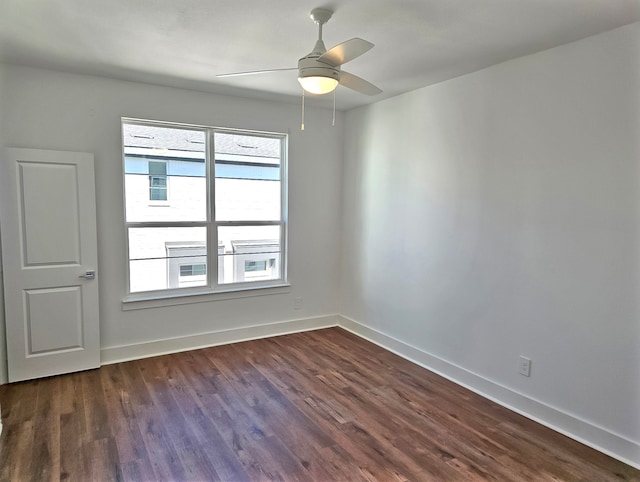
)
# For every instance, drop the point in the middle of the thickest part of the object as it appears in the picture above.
(302, 124)
(333, 121)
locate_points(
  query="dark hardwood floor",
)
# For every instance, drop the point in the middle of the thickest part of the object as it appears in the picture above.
(315, 406)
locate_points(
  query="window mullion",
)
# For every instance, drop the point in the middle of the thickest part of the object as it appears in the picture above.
(248, 223)
(212, 234)
(166, 224)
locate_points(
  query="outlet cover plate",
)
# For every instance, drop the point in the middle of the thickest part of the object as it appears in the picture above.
(525, 366)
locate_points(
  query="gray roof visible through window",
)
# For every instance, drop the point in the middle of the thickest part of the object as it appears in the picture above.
(136, 135)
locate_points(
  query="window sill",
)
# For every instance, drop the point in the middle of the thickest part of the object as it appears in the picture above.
(146, 300)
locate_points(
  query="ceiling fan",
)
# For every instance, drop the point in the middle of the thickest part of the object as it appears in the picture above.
(319, 72)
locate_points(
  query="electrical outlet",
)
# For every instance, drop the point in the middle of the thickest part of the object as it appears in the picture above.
(525, 366)
(297, 303)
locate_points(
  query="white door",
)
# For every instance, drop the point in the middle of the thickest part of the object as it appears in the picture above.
(50, 258)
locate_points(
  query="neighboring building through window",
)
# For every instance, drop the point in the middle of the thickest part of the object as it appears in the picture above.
(234, 201)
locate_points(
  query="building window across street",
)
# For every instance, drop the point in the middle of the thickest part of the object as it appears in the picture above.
(193, 269)
(157, 181)
(227, 190)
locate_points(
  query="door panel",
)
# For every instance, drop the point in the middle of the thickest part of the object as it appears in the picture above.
(53, 317)
(50, 235)
(47, 212)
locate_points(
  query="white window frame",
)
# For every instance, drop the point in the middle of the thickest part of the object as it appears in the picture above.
(213, 286)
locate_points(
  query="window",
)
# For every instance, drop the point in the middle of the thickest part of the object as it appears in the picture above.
(256, 265)
(157, 181)
(228, 189)
(193, 269)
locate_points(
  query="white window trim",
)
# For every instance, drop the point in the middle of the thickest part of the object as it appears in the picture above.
(213, 291)
(176, 297)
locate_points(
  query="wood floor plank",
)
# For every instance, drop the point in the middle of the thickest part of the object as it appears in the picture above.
(20, 405)
(238, 431)
(19, 461)
(127, 435)
(314, 406)
(74, 447)
(162, 432)
(46, 449)
(95, 410)
(218, 456)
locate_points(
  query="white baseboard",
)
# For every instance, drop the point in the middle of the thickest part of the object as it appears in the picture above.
(147, 349)
(583, 431)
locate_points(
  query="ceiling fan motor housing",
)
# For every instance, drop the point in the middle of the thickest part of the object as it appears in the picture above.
(312, 67)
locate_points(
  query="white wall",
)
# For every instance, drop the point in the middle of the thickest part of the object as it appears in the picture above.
(497, 215)
(51, 110)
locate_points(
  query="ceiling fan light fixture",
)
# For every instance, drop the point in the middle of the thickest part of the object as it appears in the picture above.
(318, 84)
(316, 77)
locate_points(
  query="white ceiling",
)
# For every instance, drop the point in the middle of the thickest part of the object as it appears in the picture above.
(185, 43)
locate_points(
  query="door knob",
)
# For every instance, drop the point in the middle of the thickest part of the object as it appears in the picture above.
(88, 275)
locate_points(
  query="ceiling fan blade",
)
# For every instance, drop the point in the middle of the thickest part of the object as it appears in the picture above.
(346, 51)
(358, 84)
(253, 72)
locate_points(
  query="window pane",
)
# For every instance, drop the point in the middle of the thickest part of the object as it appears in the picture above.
(248, 175)
(193, 269)
(158, 194)
(158, 168)
(164, 164)
(255, 265)
(157, 181)
(158, 256)
(157, 188)
(249, 253)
